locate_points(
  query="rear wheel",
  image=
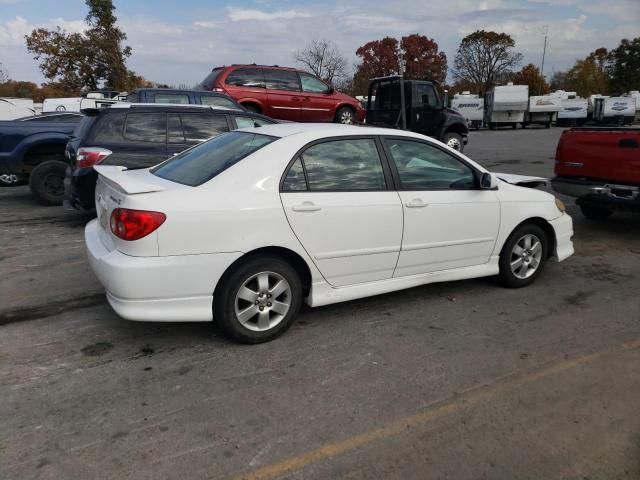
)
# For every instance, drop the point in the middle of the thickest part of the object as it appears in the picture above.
(259, 300)
(523, 256)
(454, 140)
(345, 115)
(47, 182)
(595, 213)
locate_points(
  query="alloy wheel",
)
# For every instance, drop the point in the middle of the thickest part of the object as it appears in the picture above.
(526, 256)
(346, 117)
(262, 301)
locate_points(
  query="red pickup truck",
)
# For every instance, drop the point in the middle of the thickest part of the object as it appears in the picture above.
(601, 167)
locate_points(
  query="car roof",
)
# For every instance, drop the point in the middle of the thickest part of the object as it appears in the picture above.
(324, 130)
(180, 90)
(194, 106)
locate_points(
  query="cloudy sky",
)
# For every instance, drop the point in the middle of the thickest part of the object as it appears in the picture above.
(178, 42)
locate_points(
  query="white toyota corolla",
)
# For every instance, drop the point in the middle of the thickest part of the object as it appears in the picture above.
(245, 227)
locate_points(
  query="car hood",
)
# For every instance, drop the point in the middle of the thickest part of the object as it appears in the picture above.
(522, 180)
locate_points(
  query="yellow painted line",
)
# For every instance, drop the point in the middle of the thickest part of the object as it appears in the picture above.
(472, 395)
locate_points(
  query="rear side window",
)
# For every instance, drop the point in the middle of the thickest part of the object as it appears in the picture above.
(178, 98)
(246, 77)
(282, 80)
(146, 127)
(200, 164)
(248, 122)
(132, 98)
(219, 101)
(209, 80)
(198, 128)
(108, 129)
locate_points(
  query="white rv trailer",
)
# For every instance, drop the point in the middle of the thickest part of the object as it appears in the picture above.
(12, 108)
(573, 112)
(505, 105)
(618, 110)
(636, 94)
(542, 110)
(75, 104)
(562, 94)
(470, 106)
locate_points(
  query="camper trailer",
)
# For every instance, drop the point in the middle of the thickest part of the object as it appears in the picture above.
(573, 112)
(542, 110)
(614, 110)
(636, 94)
(12, 108)
(75, 104)
(471, 107)
(506, 105)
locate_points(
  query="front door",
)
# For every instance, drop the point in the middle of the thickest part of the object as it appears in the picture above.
(337, 202)
(426, 111)
(283, 94)
(448, 221)
(317, 103)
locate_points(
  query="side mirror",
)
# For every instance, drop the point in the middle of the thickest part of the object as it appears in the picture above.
(488, 181)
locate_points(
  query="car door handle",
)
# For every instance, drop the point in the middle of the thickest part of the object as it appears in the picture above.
(306, 207)
(416, 203)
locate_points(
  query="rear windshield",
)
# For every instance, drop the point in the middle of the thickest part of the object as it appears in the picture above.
(207, 83)
(203, 162)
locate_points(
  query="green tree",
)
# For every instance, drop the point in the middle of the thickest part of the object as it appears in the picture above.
(91, 58)
(624, 66)
(485, 57)
(589, 76)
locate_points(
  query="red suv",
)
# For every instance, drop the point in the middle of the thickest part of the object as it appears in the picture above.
(284, 93)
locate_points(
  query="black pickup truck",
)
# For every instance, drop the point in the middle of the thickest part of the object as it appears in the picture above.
(32, 149)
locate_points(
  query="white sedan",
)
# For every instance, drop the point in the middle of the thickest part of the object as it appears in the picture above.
(246, 226)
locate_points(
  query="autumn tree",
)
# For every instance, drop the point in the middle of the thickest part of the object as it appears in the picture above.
(323, 59)
(530, 75)
(559, 80)
(589, 76)
(624, 66)
(484, 57)
(86, 59)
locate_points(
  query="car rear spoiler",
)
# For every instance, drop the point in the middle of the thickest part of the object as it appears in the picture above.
(123, 180)
(522, 180)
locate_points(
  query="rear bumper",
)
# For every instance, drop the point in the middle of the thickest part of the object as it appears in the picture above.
(171, 289)
(80, 188)
(574, 187)
(599, 193)
(563, 228)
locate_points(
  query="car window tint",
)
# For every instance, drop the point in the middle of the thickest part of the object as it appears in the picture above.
(146, 127)
(179, 98)
(108, 129)
(174, 129)
(248, 122)
(132, 98)
(295, 180)
(425, 167)
(198, 128)
(219, 101)
(344, 165)
(246, 77)
(312, 84)
(425, 96)
(282, 80)
(203, 162)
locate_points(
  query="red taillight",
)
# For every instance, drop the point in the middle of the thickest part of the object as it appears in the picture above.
(130, 224)
(90, 156)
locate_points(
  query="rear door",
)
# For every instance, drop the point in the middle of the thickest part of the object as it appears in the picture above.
(283, 94)
(336, 199)
(188, 129)
(246, 85)
(317, 104)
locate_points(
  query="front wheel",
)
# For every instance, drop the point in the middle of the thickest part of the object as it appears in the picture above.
(454, 140)
(47, 182)
(523, 256)
(345, 115)
(259, 300)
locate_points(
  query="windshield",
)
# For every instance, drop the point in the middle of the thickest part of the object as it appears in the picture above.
(203, 162)
(207, 83)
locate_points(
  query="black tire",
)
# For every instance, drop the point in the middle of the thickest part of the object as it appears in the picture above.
(345, 115)
(252, 108)
(595, 213)
(507, 277)
(547, 125)
(47, 182)
(514, 126)
(455, 139)
(224, 301)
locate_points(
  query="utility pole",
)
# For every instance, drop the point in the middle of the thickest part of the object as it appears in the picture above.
(403, 113)
(544, 51)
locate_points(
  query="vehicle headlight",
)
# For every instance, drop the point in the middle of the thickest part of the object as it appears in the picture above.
(561, 206)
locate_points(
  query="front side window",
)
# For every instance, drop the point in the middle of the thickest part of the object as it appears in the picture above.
(179, 98)
(200, 164)
(425, 167)
(425, 96)
(312, 84)
(246, 77)
(146, 127)
(344, 165)
(219, 101)
(282, 80)
(198, 128)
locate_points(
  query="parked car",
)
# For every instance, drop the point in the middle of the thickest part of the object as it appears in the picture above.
(601, 168)
(32, 151)
(284, 93)
(424, 110)
(182, 97)
(139, 136)
(246, 226)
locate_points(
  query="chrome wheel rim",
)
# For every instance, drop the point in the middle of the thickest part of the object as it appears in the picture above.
(346, 117)
(453, 143)
(526, 256)
(262, 301)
